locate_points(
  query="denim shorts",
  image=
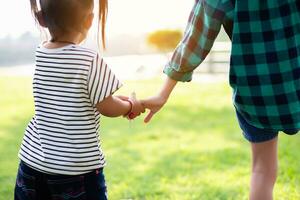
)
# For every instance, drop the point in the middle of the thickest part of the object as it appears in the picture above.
(257, 135)
(35, 185)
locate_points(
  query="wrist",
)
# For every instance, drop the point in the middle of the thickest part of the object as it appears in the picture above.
(130, 102)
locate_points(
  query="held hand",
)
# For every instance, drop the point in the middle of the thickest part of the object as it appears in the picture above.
(137, 107)
(154, 104)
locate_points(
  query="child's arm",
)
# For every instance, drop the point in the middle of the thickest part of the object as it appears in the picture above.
(155, 103)
(115, 107)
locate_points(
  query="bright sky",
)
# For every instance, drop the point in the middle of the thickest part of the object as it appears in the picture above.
(125, 16)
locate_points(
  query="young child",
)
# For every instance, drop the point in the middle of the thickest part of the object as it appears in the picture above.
(61, 156)
(264, 73)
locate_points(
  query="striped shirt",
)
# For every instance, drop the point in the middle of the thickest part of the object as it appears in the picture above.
(265, 56)
(63, 135)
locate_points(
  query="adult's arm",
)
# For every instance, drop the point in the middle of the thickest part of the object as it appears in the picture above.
(204, 25)
(155, 103)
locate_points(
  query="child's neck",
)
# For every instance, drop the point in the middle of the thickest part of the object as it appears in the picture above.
(64, 40)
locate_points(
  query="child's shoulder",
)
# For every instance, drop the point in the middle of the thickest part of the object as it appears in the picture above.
(72, 50)
(83, 50)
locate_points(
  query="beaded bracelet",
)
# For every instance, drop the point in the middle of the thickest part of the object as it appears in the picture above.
(130, 114)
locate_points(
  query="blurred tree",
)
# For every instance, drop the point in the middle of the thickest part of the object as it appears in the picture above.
(165, 40)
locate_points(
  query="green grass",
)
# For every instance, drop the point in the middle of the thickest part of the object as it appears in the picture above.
(193, 149)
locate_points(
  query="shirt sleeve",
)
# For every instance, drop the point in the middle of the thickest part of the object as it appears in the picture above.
(204, 25)
(101, 81)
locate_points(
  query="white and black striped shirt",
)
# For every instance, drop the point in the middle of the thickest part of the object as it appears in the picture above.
(62, 137)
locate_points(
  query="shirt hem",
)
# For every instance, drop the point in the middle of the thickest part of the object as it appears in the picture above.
(268, 128)
(26, 162)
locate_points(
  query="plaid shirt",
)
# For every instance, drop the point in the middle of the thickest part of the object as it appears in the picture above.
(265, 56)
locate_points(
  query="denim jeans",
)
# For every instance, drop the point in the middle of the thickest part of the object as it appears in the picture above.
(35, 185)
(257, 135)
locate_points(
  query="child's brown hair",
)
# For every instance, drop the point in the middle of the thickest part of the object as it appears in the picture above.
(62, 16)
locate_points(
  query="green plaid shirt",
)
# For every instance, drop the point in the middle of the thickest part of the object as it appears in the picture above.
(265, 56)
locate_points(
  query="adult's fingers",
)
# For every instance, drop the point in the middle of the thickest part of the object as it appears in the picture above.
(149, 117)
(143, 110)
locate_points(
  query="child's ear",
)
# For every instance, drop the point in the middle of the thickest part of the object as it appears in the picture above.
(41, 19)
(89, 21)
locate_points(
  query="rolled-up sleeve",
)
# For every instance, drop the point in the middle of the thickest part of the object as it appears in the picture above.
(204, 25)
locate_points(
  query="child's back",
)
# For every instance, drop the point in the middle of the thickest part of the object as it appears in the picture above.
(62, 137)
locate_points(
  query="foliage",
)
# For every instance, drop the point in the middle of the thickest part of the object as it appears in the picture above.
(165, 40)
(192, 150)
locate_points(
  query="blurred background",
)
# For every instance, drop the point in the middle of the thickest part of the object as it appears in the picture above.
(192, 150)
(136, 37)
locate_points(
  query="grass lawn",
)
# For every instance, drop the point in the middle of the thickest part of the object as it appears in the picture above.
(193, 149)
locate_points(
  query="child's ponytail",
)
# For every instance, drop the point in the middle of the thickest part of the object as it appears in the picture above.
(34, 8)
(103, 5)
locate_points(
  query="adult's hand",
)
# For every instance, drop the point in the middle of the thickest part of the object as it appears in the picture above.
(154, 104)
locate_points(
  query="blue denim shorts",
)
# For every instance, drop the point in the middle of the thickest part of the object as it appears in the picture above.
(257, 135)
(35, 185)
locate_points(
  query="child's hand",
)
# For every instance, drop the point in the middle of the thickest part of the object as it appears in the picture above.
(154, 104)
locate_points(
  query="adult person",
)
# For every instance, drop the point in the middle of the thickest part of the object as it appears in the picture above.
(264, 73)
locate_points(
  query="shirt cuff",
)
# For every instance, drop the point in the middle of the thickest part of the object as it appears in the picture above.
(178, 76)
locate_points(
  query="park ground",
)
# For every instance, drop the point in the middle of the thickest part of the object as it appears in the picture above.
(192, 150)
